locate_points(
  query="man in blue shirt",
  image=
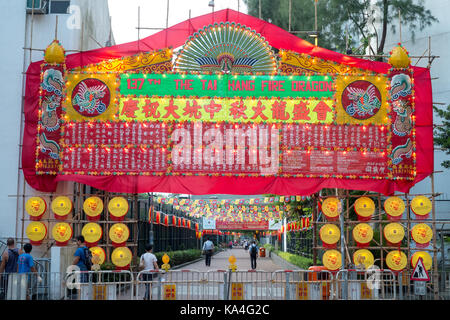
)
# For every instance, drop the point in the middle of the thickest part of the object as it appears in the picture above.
(26, 262)
(80, 255)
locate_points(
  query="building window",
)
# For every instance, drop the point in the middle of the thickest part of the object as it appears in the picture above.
(59, 6)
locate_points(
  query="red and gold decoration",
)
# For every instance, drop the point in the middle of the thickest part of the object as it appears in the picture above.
(394, 233)
(36, 207)
(363, 257)
(118, 234)
(362, 234)
(98, 255)
(396, 260)
(422, 234)
(61, 207)
(364, 208)
(332, 208)
(62, 232)
(93, 207)
(394, 208)
(426, 259)
(36, 231)
(121, 258)
(118, 208)
(421, 206)
(92, 233)
(331, 259)
(330, 235)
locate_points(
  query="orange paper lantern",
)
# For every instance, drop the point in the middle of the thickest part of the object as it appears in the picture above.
(92, 233)
(36, 207)
(121, 258)
(331, 259)
(394, 208)
(332, 208)
(363, 257)
(61, 207)
(393, 233)
(396, 260)
(421, 206)
(62, 232)
(330, 235)
(364, 208)
(363, 234)
(422, 235)
(119, 233)
(36, 232)
(98, 255)
(93, 207)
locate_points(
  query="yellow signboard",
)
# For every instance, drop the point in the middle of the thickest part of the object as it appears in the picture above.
(237, 291)
(170, 292)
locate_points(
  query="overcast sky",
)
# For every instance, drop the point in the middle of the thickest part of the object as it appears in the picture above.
(124, 14)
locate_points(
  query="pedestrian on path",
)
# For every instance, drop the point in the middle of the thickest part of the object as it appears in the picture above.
(9, 265)
(208, 249)
(148, 262)
(26, 265)
(253, 251)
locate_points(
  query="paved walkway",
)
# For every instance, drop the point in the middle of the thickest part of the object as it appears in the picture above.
(220, 261)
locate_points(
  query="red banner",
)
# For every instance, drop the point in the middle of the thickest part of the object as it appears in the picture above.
(236, 225)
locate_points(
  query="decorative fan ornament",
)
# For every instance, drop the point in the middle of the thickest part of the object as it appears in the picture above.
(226, 48)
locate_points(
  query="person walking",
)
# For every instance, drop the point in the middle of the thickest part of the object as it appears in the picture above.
(25, 265)
(253, 251)
(9, 265)
(82, 259)
(148, 262)
(208, 249)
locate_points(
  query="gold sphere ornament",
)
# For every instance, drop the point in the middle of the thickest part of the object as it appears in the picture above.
(399, 57)
(55, 53)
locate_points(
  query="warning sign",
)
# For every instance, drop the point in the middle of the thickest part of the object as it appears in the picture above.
(170, 292)
(420, 273)
(237, 291)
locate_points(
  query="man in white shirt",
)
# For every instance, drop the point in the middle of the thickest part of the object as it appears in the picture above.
(208, 249)
(148, 262)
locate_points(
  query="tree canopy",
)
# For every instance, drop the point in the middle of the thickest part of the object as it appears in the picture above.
(350, 24)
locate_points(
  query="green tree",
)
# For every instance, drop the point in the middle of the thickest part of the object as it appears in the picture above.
(346, 24)
(442, 133)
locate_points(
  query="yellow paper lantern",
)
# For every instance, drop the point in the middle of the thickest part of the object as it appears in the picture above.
(422, 234)
(93, 207)
(394, 207)
(118, 208)
(363, 257)
(399, 58)
(35, 207)
(332, 208)
(92, 233)
(426, 259)
(62, 233)
(330, 235)
(98, 255)
(36, 232)
(165, 258)
(331, 259)
(231, 259)
(394, 233)
(363, 234)
(121, 257)
(421, 206)
(61, 207)
(54, 53)
(396, 260)
(364, 207)
(119, 233)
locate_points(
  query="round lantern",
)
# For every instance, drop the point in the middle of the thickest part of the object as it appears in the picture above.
(119, 233)
(394, 233)
(421, 206)
(426, 259)
(118, 208)
(364, 207)
(332, 208)
(93, 207)
(62, 232)
(396, 260)
(98, 255)
(363, 257)
(121, 258)
(394, 208)
(422, 235)
(331, 259)
(36, 207)
(330, 235)
(362, 234)
(92, 233)
(36, 232)
(61, 207)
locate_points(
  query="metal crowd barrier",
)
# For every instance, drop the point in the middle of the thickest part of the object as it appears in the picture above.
(302, 285)
(378, 284)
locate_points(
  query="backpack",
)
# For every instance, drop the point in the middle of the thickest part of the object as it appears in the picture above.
(87, 258)
(253, 251)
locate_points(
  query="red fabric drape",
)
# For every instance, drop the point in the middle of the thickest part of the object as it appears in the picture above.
(176, 36)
